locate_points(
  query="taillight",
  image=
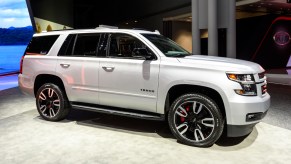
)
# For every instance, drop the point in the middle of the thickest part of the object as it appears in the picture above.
(21, 64)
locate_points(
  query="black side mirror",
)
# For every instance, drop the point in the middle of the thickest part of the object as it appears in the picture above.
(142, 53)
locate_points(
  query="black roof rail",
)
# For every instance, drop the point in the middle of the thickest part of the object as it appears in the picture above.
(140, 29)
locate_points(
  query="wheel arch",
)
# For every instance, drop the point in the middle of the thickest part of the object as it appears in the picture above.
(47, 78)
(180, 89)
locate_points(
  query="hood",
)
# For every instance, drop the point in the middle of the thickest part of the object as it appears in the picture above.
(221, 63)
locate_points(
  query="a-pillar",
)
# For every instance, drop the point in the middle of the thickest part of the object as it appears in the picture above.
(212, 28)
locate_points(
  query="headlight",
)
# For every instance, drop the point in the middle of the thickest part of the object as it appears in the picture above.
(247, 83)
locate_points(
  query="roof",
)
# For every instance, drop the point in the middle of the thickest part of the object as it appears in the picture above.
(106, 29)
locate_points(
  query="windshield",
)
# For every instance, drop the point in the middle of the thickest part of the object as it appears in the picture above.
(167, 46)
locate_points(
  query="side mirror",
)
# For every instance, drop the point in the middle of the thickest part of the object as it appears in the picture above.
(142, 53)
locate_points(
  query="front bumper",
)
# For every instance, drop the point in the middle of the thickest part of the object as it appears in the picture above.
(242, 130)
(245, 112)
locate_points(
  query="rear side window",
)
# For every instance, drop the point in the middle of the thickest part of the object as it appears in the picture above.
(41, 45)
(84, 45)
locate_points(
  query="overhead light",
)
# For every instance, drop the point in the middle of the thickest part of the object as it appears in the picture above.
(126, 23)
(135, 21)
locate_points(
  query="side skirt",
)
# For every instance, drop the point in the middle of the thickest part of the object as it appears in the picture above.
(118, 111)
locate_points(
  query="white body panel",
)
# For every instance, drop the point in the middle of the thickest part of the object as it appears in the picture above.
(80, 76)
(129, 84)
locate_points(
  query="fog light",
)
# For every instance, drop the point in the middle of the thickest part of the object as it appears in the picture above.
(254, 116)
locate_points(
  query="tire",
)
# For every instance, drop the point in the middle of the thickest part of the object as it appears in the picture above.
(200, 127)
(52, 103)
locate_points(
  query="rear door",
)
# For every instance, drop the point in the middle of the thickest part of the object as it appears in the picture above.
(78, 66)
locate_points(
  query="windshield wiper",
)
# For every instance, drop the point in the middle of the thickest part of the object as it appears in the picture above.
(178, 55)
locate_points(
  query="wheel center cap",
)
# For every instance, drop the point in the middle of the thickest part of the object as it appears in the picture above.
(194, 120)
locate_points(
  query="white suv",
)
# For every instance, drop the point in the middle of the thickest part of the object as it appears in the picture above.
(143, 74)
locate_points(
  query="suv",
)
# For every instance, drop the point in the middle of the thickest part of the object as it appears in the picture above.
(139, 73)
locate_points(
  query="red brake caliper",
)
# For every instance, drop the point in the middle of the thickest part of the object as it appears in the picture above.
(183, 118)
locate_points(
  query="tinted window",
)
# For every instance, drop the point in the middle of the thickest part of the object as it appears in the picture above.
(167, 46)
(86, 45)
(66, 49)
(102, 46)
(125, 46)
(41, 45)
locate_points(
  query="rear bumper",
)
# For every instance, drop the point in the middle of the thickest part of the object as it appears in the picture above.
(25, 85)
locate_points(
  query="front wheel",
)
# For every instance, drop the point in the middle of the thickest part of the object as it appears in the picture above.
(51, 102)
(195, 120)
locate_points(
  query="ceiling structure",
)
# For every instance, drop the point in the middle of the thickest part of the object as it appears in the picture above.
(250, 8)
(265, 6)
(90, 13)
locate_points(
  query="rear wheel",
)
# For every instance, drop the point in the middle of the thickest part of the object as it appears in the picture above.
(51, 102)
(195, 120)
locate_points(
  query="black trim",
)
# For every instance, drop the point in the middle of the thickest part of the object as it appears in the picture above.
(118, 111)
(255, 116)
(239, 130)
(31, 15)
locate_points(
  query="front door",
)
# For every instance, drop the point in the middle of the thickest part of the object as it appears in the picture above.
(125, 79)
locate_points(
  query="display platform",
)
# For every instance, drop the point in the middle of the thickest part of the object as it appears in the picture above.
(86, 137)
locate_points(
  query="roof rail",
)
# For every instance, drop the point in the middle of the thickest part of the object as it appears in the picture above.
(106, 26)
(140, 29)
(156, 31)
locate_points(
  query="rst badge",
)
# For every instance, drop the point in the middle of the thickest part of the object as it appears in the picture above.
(281, 38)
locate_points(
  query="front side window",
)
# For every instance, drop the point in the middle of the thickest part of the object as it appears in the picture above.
(126, 46)
(167, 46)
(41, 45)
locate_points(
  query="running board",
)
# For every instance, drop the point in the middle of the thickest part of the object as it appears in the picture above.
(119, 111)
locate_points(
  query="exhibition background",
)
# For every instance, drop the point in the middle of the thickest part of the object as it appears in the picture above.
(263, 27)
(15, 33)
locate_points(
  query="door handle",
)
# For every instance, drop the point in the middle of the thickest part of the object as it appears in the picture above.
(65, 65)
(108, 69)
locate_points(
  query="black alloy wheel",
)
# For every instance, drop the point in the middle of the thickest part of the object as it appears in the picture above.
(195, 120)
(51, 102)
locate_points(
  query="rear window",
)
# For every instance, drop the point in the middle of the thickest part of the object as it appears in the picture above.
(41, 45)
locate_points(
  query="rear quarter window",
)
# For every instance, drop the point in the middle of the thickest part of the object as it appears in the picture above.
(41, 45)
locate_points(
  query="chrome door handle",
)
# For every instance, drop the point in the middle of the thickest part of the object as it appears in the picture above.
(108, 69)
(65, 65)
